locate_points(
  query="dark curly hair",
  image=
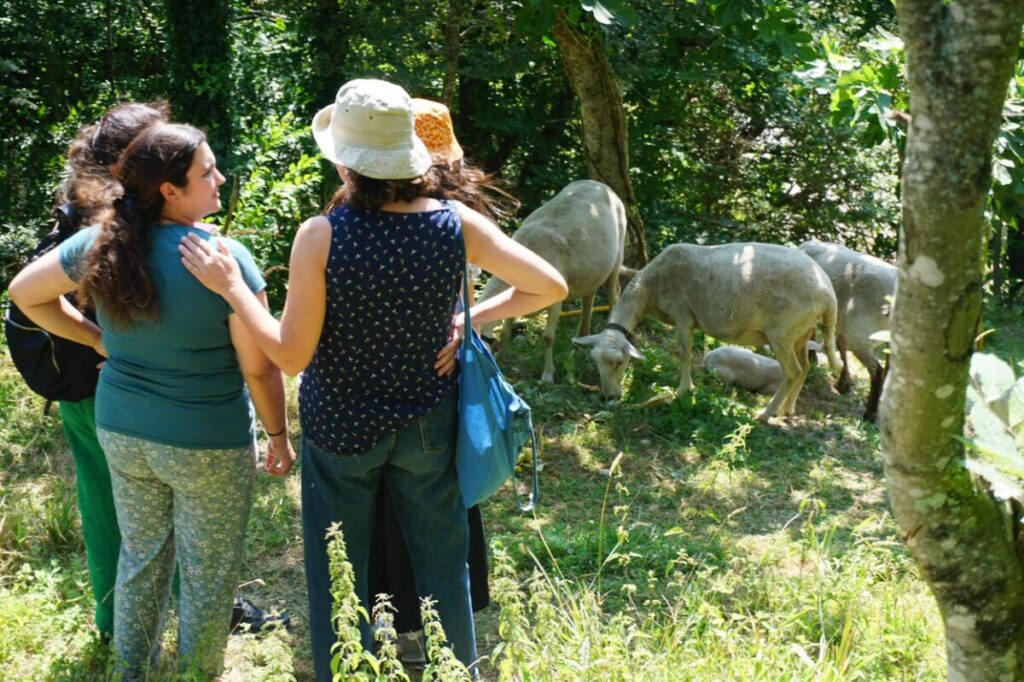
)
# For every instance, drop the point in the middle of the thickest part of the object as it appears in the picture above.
(474, 187)
(88, 185)
(116, 274)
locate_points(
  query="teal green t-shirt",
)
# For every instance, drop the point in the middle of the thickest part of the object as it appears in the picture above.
(174, 380)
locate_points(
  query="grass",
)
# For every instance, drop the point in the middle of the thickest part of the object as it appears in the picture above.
(682, 542)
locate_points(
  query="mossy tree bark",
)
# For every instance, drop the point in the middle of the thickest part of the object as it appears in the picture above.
(960, 56)
(605, 138)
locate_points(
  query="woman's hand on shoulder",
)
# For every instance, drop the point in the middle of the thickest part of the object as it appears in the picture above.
(215, 268)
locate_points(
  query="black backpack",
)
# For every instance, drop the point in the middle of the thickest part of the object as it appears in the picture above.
(53, 367)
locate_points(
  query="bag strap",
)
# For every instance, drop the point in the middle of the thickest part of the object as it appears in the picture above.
(467, 330)
(531, 504)
(468, 325)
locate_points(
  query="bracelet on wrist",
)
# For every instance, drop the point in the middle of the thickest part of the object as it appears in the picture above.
(276, 433)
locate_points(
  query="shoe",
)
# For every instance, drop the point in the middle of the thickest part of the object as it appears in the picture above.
(410, 648)
(244, 612)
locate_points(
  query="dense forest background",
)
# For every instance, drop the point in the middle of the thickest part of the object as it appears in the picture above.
(747, 119)
(683, 538)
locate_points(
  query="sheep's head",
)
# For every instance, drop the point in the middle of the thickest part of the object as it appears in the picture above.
(611, 352)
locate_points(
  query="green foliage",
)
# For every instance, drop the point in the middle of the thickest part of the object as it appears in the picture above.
(729, 549)
(350, 661)
(41, 625)
(443, 666)
(995, 398)
(279, 184)
(199, 42)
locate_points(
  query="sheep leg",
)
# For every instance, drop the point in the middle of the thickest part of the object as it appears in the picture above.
(789, 407)
(612, 287)
(549, 342)
(506, 331)
(878, 374)
(844, 383)
(685, 349)
(588, 309)
(785, 354)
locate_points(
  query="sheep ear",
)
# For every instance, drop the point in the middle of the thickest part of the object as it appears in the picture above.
(586, 340)
(633, 352)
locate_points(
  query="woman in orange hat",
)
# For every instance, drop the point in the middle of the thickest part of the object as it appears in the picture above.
(391, 570)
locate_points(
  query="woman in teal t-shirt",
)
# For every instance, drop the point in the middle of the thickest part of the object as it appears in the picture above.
(173, 413)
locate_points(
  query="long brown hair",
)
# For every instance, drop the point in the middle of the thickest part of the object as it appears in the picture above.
(474, 187)
(116, 274)
(88, 186)
(366, 193)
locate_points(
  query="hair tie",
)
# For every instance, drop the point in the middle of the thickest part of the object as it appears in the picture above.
(127, 202)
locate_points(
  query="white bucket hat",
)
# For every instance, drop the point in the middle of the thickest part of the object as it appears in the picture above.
(369, 129)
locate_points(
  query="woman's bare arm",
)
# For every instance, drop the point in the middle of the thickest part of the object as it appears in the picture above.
(534, 283)
(290, 342)
(38, 290)
(266, 387)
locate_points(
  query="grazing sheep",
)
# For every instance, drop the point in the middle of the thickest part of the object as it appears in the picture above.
(582, 233)
(861, 283)
(747, 294)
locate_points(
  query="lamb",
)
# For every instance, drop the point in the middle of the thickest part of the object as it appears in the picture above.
(861, 283)
(747, 294)
(582, 233)
(747, 369)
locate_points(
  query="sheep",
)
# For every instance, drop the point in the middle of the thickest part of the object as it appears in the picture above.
(747, 294)
(747, 369)
(861, 283)
(582, 233)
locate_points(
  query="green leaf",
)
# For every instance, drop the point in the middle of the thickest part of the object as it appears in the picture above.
(600, 12)
(881, 336)
(991, 375)
(1015, 408)
(1002, 486)
(1000, 174)
(993, 437)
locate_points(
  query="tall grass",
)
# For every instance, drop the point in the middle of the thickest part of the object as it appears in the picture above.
(686, 542)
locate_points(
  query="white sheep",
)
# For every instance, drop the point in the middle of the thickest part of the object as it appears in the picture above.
(747, 369)
(747, 294)
(582, 233)
(861, 283)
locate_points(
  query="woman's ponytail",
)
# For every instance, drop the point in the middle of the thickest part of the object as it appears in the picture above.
(116, 274)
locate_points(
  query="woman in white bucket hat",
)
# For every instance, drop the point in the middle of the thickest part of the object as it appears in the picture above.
(369, 317)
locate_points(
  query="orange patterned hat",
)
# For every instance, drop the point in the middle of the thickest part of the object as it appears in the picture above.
(434, 127)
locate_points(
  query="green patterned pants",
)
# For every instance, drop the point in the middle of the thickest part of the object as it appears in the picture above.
(193, 504)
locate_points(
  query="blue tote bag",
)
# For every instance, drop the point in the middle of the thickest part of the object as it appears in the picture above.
(494, 423)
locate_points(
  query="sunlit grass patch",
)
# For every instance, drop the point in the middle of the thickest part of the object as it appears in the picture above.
(42, 611)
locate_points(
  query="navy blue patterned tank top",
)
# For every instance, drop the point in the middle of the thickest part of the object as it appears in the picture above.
(392, 283)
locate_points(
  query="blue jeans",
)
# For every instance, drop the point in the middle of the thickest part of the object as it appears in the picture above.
(418, 462)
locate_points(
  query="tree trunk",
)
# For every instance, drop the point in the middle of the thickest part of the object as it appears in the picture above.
(605, 138)
(960, 57)
(452, 31)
